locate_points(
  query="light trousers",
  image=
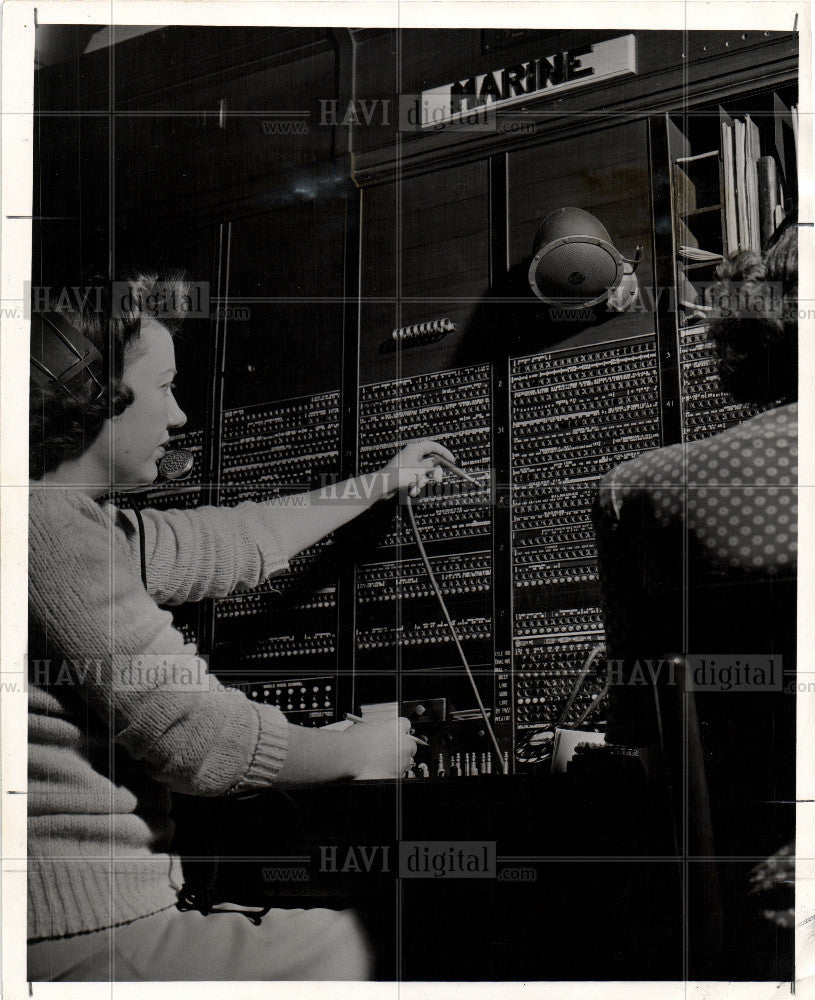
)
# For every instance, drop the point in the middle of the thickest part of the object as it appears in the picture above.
(178, 946)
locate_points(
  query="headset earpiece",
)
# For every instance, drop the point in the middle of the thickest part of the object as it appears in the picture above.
(61, 356)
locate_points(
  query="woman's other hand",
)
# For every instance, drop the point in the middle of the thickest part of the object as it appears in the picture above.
(382, 749)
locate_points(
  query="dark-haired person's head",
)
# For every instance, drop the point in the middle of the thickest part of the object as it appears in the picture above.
(109, 424)
(754, 325)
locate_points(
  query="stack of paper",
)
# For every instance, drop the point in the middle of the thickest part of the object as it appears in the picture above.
(380, 712)
(747, 205)
(696, 255)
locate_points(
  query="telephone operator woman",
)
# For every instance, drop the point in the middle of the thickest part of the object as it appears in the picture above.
(698, 564)
(115, 721)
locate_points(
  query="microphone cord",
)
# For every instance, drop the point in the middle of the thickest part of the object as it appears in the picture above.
(440, 597)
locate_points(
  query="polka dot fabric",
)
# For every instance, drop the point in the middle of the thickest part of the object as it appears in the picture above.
(697, 552)
(736, 493)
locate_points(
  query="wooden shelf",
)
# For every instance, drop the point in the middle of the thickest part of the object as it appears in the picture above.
(700, 211)
(696, 265)
(698, 156)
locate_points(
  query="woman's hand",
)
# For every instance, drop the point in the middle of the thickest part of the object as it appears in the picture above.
(381, 749)
(412, 467)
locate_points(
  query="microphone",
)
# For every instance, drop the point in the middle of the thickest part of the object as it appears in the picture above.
(176, 464)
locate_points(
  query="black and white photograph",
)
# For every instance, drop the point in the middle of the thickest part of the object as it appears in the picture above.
(412, 499)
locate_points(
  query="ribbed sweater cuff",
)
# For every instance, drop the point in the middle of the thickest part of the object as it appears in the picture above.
(275, 559)
(270, 750)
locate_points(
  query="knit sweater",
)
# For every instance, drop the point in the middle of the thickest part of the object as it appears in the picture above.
(121, 709)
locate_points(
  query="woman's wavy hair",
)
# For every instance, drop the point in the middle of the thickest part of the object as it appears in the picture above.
(754, 324)
(63, 424)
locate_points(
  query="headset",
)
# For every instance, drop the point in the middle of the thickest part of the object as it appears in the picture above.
(62, 357)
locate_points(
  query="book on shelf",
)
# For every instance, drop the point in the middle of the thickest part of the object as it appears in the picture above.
(731, 231)
(752, 151)
(770, 201)
(741, 185)
(753, 198)
(752, 188)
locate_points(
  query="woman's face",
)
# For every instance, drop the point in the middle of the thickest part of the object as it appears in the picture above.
(133, 443)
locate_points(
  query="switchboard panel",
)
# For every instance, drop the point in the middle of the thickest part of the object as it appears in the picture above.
(288, 624)
(453, 407)
(706, 409)
(575, 415)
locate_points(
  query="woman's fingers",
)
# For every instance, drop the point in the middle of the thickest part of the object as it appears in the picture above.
(418, 462)
(435, 448)
(433, 470)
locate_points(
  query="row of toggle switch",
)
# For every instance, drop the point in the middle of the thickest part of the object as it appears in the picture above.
(588, 404)
(294, 695)
(582, 364)
(541, 494)
(536, 419)
(451, 406)
(406, 402)
(449, 378)
(554, 360)
(583, 466)
(293, 412)
(185, 497)
(263, 603)
(579, 541)
(471, 446)
(459, 764)
(558, 528)
(465, 574)
(554, 574)
(233, 494)
(563, 381)
(471, 436)
(283, 445)
(528, 386)
(561, 458)
(278, 647)
(539, 439)
(440, 523)
(285, 471)
(620, 380)
(423, 634)
(564, 619)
